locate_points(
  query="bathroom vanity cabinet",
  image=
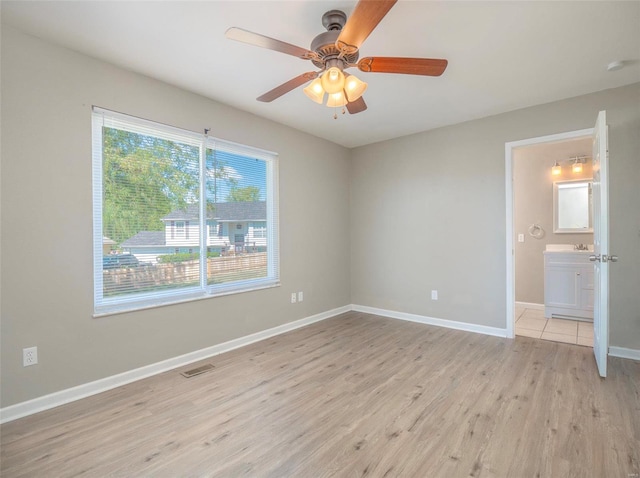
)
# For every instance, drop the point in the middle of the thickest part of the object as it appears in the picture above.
(568, 285)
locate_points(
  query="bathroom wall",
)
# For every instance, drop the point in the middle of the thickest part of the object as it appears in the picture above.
(533, 204)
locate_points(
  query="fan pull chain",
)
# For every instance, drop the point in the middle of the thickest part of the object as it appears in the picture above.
(335, 114)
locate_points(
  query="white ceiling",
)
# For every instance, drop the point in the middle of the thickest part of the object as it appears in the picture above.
(502, 55)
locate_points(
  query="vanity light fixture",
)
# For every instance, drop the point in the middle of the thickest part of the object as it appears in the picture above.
(577, 166)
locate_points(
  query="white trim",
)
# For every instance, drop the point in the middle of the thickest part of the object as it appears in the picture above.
(422, 319)
(140, 300)
(262, 284)
(511, 269)
(62, 397)
(622, 352)
(508, 159)
(530, 305)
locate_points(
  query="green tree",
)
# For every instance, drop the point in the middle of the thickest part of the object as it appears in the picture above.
(219, 176)
(245, 194)
(144, 178)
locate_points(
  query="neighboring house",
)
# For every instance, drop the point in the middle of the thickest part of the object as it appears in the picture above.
(231, 227)
(147, 246)
(108, 245)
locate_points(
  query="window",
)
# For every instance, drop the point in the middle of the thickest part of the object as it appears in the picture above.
(154, 187)
(179, 229)
(213, 228)
(259, 229)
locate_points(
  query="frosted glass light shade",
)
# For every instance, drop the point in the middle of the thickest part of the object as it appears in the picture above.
(336, 100)
(332, 80)
(354, 87)
(556, 170)
(577, 167)
(314, 91)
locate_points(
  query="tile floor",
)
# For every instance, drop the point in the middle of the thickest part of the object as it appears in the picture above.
(532, 323)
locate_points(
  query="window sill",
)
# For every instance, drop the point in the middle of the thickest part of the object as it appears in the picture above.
(105, 311)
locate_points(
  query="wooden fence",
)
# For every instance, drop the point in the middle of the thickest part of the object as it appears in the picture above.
(219, 269)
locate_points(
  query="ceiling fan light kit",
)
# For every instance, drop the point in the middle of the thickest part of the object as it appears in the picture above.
(314, 91)
(333, 80)
(354, 88)
(336, 100)
(336, 50)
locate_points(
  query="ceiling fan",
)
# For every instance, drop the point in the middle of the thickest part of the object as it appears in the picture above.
(336, 50)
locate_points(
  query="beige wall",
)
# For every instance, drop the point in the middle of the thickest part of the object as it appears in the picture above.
(47, 94)
(424, 212)
(428, 212)
(533, 204)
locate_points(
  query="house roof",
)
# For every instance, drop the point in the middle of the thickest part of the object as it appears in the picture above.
(145, 239)
(223, 212)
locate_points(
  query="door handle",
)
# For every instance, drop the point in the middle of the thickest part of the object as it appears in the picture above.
(595, 258)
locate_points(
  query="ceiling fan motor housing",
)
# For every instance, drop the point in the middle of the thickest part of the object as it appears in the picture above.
(334, 20)
(325, 43)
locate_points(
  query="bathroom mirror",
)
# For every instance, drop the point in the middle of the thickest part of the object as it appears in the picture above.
(572, 206)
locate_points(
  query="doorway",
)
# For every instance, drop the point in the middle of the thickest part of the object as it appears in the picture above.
(528, 235)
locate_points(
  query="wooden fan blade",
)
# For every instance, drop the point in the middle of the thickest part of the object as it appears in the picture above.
(256, 39)
(356, 106)
(278, 91)
(406, 66)
(363, 20)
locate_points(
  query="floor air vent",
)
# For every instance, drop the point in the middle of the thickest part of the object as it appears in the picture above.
(197, 371)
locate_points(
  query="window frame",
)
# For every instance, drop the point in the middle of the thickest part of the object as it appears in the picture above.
(181, 230)
(261, 230)
(212, 228)
(138, 301)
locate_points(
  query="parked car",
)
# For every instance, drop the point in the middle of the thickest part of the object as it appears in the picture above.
(116, 261)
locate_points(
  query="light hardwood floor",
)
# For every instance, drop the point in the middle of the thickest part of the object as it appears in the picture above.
(356, 395)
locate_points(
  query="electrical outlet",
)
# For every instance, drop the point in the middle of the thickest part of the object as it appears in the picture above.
(520, 237)
(434, 295)
(29, 356)
(293, 298)
(300, 296)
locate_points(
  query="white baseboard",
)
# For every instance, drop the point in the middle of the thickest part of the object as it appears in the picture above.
(62, 397)
(530, 305)
(450, 324)
(621, 352)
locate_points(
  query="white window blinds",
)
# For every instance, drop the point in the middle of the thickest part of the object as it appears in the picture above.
(154, 187)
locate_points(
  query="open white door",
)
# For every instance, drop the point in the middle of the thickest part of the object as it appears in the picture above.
(601, 257)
